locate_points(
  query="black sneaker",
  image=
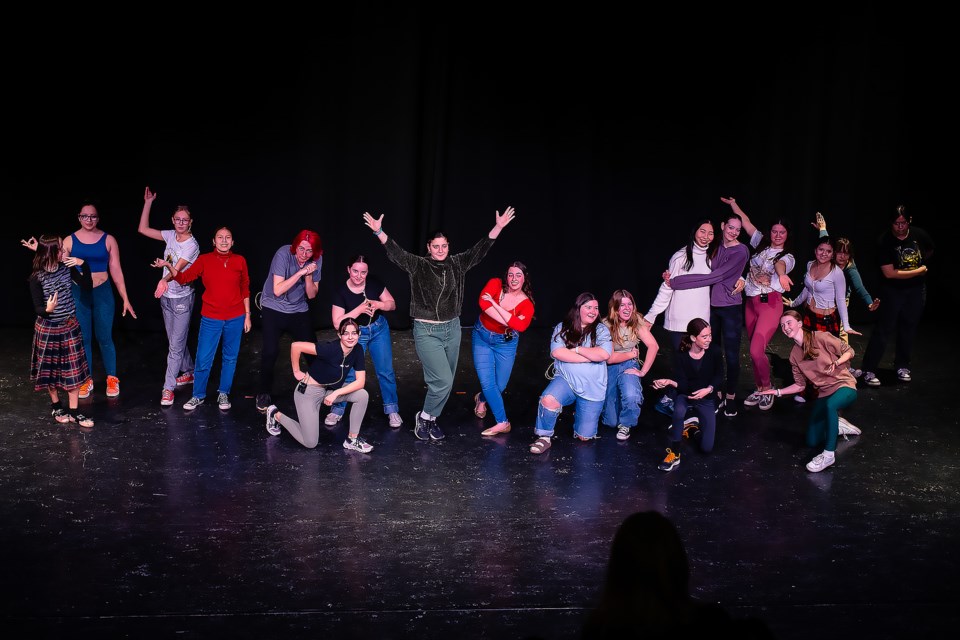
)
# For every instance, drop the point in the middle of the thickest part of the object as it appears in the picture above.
(263, 401)
(421, 428)
(435, 433)
(730, 407)
(720, 405)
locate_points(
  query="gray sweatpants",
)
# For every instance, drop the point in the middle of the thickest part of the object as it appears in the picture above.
(308, 403)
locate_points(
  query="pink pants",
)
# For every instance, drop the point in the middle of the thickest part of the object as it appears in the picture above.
(763, 320)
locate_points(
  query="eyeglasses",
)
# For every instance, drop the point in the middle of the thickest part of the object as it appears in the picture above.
(181, 221)
(305, 250)
(84, 216)
(508, 334)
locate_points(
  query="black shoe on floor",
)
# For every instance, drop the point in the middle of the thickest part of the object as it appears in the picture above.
(435, 433)
(263, 401)
(421, 428)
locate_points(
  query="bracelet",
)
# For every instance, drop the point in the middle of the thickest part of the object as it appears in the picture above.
(378, 232)
(778, 393)
(576, 350)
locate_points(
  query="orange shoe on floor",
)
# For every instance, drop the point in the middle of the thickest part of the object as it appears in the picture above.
(86, 389)
(113, 386)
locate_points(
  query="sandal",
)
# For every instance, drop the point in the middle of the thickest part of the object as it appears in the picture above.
(82, 421)
(540, 445)
(500, 427)
(479, 407)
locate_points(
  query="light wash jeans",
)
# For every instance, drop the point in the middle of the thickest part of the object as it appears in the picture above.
(624, 395)
(375, 340)
(587, 412)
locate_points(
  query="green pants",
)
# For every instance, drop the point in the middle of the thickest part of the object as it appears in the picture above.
(438, 346)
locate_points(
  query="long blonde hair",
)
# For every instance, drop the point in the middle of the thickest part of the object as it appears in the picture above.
(613, 319)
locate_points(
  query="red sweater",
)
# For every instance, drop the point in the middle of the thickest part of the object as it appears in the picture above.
(525, 308)
(226, 284)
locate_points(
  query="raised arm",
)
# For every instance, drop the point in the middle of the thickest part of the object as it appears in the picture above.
(145, 228)
(748, 225)
(376, 225)
(503, 219)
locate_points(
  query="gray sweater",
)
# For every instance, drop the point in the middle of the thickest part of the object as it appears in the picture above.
(436, 288)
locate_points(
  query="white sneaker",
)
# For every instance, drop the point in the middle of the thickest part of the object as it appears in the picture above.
(394, 420)
(753, 399)
(623, 433)
(357, 444)
(871, 379)
(332, 418)
(223, 401)
(848, 429)
(820, 462)
(799, 398)
(766, 402)
(192, 403)
(904, 374)
(272, 427)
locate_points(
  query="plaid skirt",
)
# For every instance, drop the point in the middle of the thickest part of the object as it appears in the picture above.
(58, 359)
(815, 322)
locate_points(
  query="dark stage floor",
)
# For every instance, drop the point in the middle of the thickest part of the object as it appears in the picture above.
(162, 524)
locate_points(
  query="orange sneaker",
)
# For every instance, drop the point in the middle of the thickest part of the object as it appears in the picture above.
(86, 388)
(113, 386)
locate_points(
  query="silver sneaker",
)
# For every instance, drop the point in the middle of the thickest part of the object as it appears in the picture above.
(357, 444)
(395, 420)
(192, 403)
(272, 427)
(332, 418)
(871, 379)
(904, 374)
(223, 401)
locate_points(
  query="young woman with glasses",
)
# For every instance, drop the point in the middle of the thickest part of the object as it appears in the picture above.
(291, 282)
(95, 308)
(506, 310)
(176, 301)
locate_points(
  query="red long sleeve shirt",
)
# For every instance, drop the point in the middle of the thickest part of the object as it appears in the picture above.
(226, 284)
(525, 308)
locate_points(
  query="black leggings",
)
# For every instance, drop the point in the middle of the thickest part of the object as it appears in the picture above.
(275, 323)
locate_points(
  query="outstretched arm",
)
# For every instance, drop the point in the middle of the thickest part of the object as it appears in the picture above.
(376, 225)
(145, 228)
(502, 220)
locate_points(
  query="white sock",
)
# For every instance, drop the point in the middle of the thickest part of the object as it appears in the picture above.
(828, 455)
(425, 415)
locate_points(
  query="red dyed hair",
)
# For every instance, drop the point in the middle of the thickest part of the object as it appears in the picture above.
(312, 237)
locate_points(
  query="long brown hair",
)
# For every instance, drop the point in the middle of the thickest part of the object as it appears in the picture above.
(47, 256)
(810, 350)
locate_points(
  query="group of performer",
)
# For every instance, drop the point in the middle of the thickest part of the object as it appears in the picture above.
(601, 351)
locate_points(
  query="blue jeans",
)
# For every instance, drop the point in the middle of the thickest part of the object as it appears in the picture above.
(493, 358)
(210, 333)
(176, 320)
(624, 395)
(95, 310)
(438, 347)
(586, 412)
(824, 424)
(375, 340)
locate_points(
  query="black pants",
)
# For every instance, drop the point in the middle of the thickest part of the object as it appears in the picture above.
(275, 323)
(900, 311)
